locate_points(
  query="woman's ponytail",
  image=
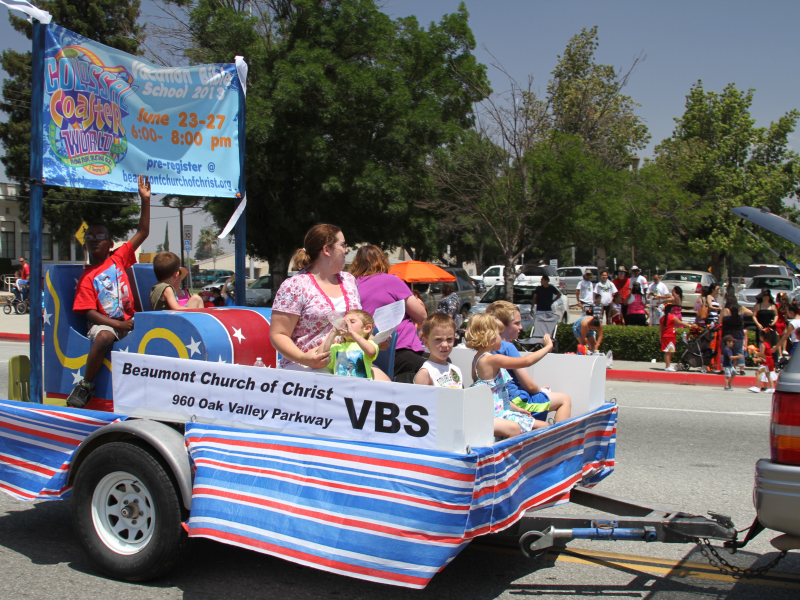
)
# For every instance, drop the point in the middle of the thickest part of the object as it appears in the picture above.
(300, 259)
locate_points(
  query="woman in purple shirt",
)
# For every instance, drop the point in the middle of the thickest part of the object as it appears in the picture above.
(377, 288)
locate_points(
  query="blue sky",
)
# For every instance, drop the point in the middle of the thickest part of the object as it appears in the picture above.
(750, 44)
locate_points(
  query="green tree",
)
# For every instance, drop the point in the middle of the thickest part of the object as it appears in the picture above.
(110, 22)
(534, 167)
(733, 163)
(207, 245)
(343, 106)
(585, 98)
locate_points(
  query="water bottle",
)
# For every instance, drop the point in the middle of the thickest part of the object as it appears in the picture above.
(259, 363)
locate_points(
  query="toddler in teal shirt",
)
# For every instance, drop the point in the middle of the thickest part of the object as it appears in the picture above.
(354, 356)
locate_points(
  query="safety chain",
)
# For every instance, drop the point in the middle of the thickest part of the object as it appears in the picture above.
(725, 567)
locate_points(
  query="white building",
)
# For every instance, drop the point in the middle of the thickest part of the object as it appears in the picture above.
(15, 236)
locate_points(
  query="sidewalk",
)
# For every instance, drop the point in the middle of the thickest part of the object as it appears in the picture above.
(646, 372)
(14, 327)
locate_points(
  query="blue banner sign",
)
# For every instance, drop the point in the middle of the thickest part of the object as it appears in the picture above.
(110, 116)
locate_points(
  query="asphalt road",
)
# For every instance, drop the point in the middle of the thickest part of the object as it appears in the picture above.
(679, 447)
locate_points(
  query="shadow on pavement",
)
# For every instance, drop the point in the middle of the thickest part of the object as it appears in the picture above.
(42, 532)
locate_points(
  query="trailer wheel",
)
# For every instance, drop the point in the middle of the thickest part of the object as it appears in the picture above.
(7, 308)
(126, 512)
(22, 308)
(527, 540)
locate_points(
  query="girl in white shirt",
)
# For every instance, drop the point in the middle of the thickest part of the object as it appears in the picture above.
(439, 337)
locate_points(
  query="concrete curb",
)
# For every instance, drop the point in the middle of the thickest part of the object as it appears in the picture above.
(15, 337)
(679, 378)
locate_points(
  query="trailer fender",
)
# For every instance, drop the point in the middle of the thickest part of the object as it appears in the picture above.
(162, 440)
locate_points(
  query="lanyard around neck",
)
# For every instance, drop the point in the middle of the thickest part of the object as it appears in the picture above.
(330, 302)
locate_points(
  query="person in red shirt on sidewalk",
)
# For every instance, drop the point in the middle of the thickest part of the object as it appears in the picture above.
(668, 343)
(103, 294)
(623, 285)
(24, 277)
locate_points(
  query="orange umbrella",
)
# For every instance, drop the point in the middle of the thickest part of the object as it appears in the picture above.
(416, 271)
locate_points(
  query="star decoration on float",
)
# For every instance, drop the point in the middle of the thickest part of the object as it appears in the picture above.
(194, 347)
(46, 317)
(220, 359)
(76, 377)
(125, 350)
(237, 333)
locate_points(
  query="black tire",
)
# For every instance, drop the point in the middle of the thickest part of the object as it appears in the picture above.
(21, 308)
(167, 539)
(7, 308)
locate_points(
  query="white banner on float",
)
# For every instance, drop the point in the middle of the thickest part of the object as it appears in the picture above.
(288, 401)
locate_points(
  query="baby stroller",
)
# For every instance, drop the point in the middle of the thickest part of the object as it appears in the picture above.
(17, 304)
(699, 353)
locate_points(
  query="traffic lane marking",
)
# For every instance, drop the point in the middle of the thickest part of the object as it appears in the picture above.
(673, 568)
(746, 413)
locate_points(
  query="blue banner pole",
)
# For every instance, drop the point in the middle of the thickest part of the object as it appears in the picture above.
(36, 207)
(240, 231)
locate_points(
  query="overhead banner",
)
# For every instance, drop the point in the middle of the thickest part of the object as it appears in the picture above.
(110, 116)
(287, 401)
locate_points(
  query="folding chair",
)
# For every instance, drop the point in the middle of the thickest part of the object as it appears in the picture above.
(544, 323)
(385, 360)
(19, 378)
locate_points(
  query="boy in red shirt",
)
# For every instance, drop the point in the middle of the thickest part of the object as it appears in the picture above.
(103, 294)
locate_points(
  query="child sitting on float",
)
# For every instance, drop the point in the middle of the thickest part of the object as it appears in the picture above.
(354, 356)
(524, 391)
(483, 336)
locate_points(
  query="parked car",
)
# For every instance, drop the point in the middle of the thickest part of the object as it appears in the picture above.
(259, 292)
(523, 295)
(494, 275)
(431, 293)
(570, 276)
(692, 284)
(776, 495)
(215, 285)
(776, 284)
(208, 276)
(532, 275)
(760, 270)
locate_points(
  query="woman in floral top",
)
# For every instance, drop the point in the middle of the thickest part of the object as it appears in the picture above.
(303, 303)
(449, 302)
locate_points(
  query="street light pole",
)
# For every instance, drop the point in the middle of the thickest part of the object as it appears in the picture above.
(180, 210)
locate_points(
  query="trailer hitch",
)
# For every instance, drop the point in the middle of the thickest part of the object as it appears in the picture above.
(535, 543)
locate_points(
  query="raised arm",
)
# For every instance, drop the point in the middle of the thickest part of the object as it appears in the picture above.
(520, 362)
(144, 220)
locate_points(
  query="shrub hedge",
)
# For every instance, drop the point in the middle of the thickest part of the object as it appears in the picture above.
(631, 343)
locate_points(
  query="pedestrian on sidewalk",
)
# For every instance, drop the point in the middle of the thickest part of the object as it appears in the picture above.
(733, 326)
(606, 289)
(667, 331)
(677, 301)
(636, 311)
(711, 321)
(792, 326)
(781, 305)
(701, 308)
(727, 362)
(658, 294)
(637, 277)
(616, 310)
(623, 285)
(766, 316)
(584, 292)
